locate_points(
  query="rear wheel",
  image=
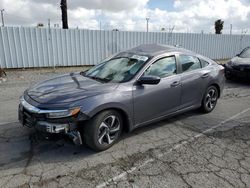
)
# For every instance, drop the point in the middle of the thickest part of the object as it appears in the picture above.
(103, 130)
(210, 99)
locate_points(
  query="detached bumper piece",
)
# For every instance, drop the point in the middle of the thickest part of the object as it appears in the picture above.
(56, 128)
(76, 137)
(59, 126)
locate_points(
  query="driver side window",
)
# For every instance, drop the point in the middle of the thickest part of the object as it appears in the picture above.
(163, 67)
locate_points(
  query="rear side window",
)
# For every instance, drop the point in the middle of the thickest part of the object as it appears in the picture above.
(189, 63)
(203, 63)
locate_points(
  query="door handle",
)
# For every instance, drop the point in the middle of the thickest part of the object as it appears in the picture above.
(205, 75)
(175, 83)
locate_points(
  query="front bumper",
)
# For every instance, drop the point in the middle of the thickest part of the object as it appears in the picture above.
(40, 122)
(29, 116)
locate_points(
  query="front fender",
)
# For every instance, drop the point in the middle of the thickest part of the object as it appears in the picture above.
(121, 101)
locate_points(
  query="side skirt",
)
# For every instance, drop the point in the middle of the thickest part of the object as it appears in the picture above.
(166, 116)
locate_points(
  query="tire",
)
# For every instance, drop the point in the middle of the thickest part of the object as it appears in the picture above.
(209, 100)
(228, 76)
(103, 130)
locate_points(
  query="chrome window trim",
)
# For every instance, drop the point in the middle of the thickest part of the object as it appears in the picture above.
(153, 60)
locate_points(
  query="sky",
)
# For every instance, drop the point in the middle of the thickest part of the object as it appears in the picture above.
(192, 16)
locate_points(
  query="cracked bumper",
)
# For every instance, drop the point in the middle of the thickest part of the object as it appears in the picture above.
(59, 126)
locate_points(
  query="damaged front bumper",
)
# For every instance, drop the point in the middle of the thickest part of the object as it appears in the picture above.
(33, 117)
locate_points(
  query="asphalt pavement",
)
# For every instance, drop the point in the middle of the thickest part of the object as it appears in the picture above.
(189, 150)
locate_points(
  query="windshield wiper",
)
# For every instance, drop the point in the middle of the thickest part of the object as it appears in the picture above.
(97, 78)
(100, 79)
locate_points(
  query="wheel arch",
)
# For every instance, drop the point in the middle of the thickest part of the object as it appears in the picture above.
(217, 87)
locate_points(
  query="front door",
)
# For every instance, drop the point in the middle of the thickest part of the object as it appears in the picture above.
(153, 101)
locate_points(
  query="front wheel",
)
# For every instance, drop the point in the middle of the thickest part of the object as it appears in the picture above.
(228, 75)
(210, 99)
(103, 130)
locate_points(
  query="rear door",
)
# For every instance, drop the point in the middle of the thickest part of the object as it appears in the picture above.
(193, 80)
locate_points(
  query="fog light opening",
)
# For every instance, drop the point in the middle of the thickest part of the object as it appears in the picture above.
(60, 128)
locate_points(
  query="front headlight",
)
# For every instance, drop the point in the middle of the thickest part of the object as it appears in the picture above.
(63, 113)
(49, 113)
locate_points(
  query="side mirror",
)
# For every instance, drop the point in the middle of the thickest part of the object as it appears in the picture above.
(151, 80)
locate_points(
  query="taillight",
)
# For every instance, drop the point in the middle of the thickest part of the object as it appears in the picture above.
(222, 69)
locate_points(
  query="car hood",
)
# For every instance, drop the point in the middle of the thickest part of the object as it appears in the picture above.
(68, 88)
(240, 61)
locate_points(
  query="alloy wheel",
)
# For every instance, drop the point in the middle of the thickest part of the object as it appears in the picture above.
(109, 130)
(211, 98)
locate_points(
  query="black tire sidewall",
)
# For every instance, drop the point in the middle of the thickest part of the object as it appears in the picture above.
(228, 76)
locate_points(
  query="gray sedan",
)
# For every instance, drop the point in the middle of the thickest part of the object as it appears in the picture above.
(133, 88)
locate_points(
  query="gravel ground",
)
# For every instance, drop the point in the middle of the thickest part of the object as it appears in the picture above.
(189, 150)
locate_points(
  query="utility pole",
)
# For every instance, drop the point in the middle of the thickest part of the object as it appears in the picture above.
(147, 19)
(243, 33)
(2, 17)
(64, 14)
(231, 27)
(49, 23)
(171, 30)
(49, 29)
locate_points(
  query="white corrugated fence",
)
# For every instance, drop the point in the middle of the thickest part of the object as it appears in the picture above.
(22, 47)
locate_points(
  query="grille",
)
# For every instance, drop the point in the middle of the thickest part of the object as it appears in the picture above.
(28, 119)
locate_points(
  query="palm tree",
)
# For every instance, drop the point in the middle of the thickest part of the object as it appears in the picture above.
(218, 25)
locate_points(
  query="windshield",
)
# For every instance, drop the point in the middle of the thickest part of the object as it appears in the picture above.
(118, 69)
(245, 53)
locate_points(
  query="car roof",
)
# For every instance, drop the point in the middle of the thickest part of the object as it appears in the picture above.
(157, 49)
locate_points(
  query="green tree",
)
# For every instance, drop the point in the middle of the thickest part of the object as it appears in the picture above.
(218, 25)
